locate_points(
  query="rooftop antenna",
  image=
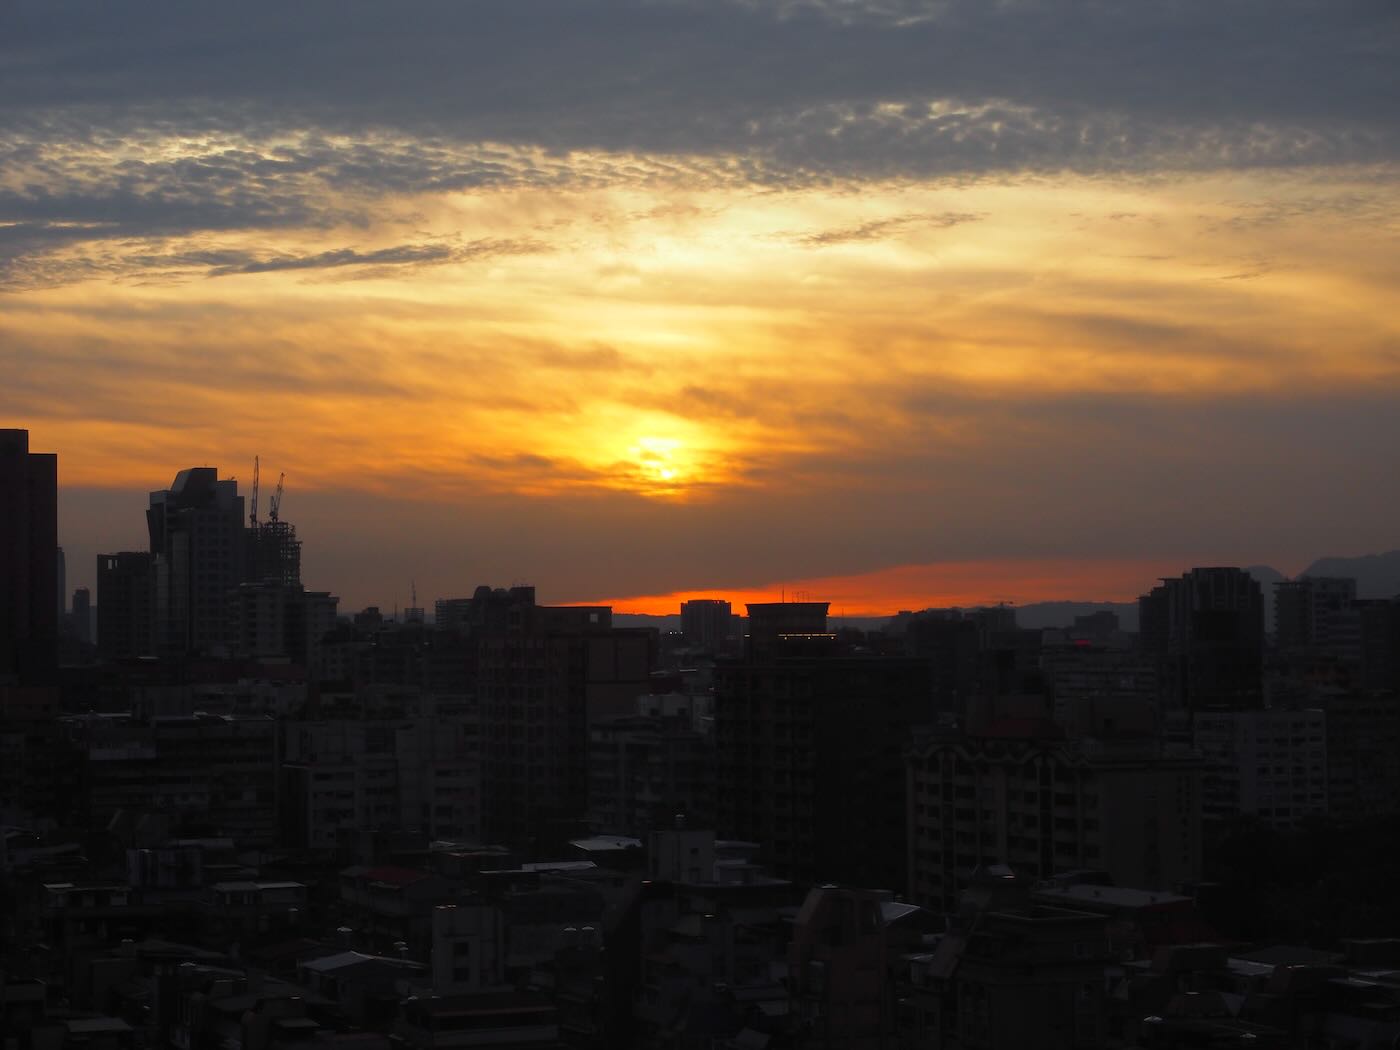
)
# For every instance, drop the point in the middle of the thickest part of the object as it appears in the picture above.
(413, 592)
(253, 514)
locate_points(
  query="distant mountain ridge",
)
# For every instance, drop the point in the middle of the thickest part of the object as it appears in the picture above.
(1376, 575)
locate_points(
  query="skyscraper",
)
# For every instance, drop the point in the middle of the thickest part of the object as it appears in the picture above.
(28, 559)
(196, 529)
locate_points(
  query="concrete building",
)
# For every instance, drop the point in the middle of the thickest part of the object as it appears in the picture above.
(468, 951)
(212, 771)
(1317, 613)
(842, 997)
(28, 561)
(1085, 672)
(125, 605)
(541, 681)
(198, 547)
(706, 623)
(779, 624)
(809, 757)
(1363, 755)
(420, 771)
(1271, 764)
(1018, 794)
(1013, 974)
(273, 620)
(643, 770)
(1206, 632)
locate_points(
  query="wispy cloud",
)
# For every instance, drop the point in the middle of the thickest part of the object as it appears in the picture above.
(880, 229)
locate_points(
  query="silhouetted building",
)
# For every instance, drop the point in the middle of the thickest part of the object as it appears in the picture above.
(197, 540)
(272, 620)
(952, 645)
(125, 605)
(544, 673)
(705, 622)
(273, 553)
(810, 759)
(771, 623)
(29, 577)
(1100, 625)
(1206, 630)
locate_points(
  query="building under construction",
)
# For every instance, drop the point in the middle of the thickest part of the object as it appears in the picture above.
(273, 550)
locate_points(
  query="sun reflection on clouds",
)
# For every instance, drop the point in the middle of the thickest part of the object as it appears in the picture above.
(676, 340)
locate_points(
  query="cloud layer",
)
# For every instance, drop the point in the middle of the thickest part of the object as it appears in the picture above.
(727, 292)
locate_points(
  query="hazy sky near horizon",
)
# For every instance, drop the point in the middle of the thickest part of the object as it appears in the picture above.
(879, 297)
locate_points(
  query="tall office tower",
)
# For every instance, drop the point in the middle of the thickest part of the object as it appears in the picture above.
(82, 615)
(705, 622)
(125, 605)
(1206, 630)
(197, 541)
(28, 560)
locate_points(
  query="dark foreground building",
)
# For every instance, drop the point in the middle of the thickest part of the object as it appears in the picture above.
(28, 560)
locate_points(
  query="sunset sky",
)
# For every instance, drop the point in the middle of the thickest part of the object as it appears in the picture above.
(898, 303)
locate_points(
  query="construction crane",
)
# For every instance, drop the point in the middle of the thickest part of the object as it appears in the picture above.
(276, 502)
(253, 513)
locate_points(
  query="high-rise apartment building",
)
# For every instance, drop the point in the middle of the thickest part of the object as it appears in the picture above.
(197, 541)
(810, 754)
(706, 622)
(1318, 613)
(125, 605)
(1270, 764)
(543, 675)
(1206, 631)
(28, 560)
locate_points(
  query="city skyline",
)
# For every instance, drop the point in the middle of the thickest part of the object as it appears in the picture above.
(658, 299)
(881, 592)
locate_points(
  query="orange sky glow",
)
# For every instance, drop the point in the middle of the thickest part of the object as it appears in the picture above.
(953, 584)
(926, 332)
